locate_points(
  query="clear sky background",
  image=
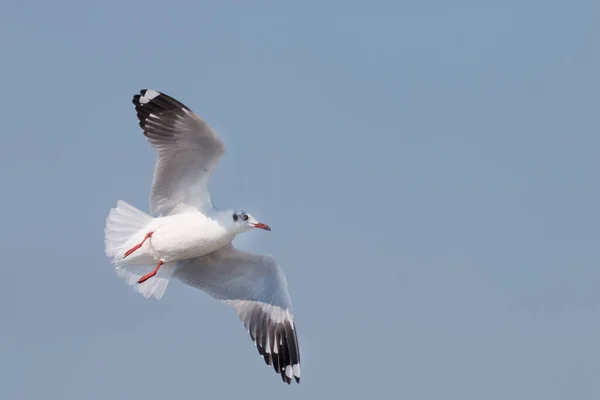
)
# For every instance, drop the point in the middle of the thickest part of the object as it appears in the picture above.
(430, 171)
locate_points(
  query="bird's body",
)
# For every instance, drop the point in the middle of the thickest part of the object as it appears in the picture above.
(179, 237)
(190, 239)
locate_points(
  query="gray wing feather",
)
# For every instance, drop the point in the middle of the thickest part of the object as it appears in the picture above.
(257, 288)
(188, 152)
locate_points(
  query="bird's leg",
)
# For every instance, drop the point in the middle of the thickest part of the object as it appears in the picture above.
(151, 274)
(137, 246)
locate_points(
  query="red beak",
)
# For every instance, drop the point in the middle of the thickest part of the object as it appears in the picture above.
(262, 226)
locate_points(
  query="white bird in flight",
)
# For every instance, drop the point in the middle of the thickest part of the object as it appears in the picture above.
(191, 238)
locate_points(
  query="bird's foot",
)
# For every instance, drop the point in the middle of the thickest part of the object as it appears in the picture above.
(151, 274)
(137, 246)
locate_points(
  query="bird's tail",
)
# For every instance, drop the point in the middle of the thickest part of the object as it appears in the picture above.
(122, 224)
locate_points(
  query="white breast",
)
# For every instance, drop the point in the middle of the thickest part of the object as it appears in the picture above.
(189, 235)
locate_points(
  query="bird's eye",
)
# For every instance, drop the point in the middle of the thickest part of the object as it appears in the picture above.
(245, 217)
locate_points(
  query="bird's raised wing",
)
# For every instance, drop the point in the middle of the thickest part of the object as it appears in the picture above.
(257, 288)
(188, 151)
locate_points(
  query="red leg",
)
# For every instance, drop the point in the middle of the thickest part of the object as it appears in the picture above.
(137, 246)
(151, 274)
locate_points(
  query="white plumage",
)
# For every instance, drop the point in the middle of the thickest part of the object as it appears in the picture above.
(191, 238)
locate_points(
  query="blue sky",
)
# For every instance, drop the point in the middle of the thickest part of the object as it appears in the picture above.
(429, 169)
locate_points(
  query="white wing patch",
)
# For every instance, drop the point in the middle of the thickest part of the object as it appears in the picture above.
(148, 96)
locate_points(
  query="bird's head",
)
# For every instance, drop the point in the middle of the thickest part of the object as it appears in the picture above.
(244, 221)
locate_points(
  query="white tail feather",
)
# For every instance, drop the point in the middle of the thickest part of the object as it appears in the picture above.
(122, 223)
(154, 286)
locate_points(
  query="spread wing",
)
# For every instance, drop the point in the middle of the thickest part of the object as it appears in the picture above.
(188, 152)
(257, 288)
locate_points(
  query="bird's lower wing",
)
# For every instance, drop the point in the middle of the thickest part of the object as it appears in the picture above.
(257, 288)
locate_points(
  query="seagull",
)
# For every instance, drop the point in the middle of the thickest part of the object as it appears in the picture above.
(190, 240)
